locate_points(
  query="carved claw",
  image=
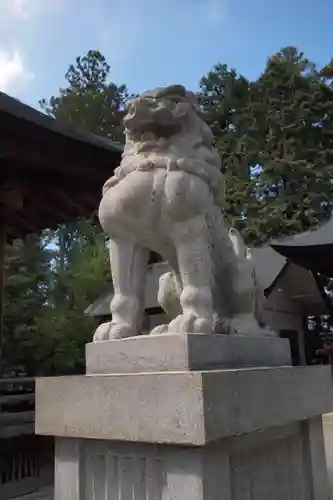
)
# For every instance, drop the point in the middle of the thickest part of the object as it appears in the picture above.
(190, 323)
(159, 330)
(112, 331)
(102, 332)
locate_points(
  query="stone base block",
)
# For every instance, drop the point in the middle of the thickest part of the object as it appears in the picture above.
(185, 352)
(252, 433)
(282, 463)
(184, 408)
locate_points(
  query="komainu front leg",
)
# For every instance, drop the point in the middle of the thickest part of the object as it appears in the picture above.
(128, 267)
(195, 266)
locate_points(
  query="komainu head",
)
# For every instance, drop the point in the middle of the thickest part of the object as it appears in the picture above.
(157, 117)
(164, 129)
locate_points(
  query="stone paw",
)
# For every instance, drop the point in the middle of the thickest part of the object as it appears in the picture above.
(112, 331)
(159, 330)
(190, 323)
(102, 332)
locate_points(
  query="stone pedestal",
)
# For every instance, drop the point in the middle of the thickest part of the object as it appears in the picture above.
(193, 433)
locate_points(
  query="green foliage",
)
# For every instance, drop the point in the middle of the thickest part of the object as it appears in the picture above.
(26, 290)
(296, 145)
(90, 101)
(76, 281)
(275, 138)
(226, 100)
(45, 299)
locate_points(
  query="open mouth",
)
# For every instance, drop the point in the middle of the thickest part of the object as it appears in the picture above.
(149, 141)
(153, 131)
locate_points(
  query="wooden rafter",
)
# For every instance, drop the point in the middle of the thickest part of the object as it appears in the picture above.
(33, 154)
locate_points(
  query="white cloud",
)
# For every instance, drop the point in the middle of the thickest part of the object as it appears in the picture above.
(13, 9)
(13, 73)
(18, 6)
(18, 22)
(22, 10)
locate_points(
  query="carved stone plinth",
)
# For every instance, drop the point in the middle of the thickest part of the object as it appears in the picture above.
(232, 433)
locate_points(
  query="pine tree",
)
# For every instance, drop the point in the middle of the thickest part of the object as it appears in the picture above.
(90, 101)
(275, 139)
(27, 276)
(225, 103)
(295, 184)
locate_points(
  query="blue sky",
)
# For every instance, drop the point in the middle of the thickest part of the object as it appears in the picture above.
(150, 43)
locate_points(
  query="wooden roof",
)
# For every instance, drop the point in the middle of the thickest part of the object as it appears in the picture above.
(311, 249)
(49, 172)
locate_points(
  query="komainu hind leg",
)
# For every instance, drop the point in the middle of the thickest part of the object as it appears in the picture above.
(248, 295)
(195, 267)
(169, 289)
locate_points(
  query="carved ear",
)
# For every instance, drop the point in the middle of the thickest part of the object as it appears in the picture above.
(237, 242)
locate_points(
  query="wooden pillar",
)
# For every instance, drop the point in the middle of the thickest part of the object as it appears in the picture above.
(2, 279)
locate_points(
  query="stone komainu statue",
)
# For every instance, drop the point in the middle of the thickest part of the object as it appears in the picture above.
(167, 196)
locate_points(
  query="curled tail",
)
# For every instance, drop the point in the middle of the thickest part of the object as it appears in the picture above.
(247, 286)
